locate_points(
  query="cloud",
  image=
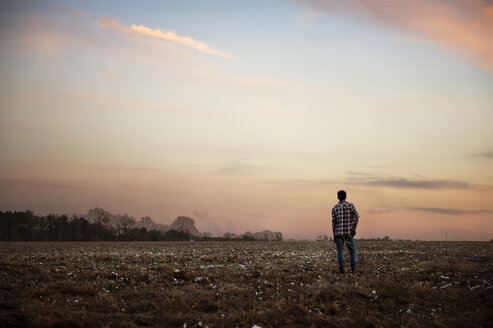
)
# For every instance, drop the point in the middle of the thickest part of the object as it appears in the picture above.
(449, 211)
(488, 155)
(138, 169)
(58, 35)
(357, 173)
(418, 182)
(75, 11)
(136, 104)
(201, 214)
(239, 168)
(464, 26)
(379, 211)
(37, 29)
(111, 71)
(403, 183)
(21, 183)
(110, 23)
(364, 179)
(308, 16)
(300, 183)
(40, 34)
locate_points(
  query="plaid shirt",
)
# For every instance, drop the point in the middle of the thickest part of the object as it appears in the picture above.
(344, 218)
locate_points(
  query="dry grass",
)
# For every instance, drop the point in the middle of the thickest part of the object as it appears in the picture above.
(399, 283)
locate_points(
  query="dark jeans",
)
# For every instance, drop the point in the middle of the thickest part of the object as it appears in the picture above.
(340, 249)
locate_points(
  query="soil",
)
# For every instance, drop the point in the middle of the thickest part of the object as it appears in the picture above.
(243, 284)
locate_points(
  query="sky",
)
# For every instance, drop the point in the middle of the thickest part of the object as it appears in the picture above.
(251, 115)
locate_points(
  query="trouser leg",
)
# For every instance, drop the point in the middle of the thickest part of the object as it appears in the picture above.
(340, 250)
(352, 249)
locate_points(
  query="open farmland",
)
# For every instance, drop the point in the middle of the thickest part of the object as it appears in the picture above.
(228, 284)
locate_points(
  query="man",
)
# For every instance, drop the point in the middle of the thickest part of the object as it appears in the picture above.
(344, 221)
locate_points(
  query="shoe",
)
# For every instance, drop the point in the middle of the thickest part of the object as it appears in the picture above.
(353, 268)
(341, 269)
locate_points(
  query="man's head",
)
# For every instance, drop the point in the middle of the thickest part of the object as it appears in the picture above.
(341, 195)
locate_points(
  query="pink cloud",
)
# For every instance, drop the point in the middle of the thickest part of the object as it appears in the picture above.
(465, 26)
(29, 184)
(38, 34)
(76, 12)
(108, 22)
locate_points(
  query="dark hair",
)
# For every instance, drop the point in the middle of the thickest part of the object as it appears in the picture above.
(341, 195)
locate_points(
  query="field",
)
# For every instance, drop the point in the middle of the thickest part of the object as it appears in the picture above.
(242, 284)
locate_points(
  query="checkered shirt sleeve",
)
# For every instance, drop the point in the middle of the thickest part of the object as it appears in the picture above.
(344, 218)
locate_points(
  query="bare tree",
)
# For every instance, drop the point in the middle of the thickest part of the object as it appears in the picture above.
(99, 216)
(185, 224)
(124, 223)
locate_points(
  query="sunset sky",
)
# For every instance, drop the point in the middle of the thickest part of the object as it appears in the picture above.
(251, 115)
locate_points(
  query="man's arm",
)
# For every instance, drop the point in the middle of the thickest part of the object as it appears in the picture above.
(334, 220)
(355, 220)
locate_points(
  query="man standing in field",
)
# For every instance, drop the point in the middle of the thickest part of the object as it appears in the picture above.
(344, 221)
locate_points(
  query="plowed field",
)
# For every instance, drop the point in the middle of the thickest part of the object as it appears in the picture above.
(242, 284)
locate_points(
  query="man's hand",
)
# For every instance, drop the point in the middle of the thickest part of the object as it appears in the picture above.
(353, 232)
(335, 240)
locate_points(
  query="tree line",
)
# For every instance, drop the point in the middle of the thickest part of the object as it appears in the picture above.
(27, 226)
